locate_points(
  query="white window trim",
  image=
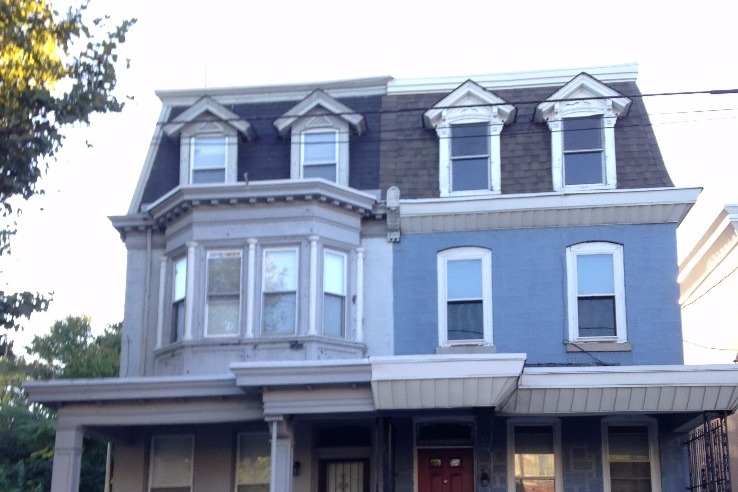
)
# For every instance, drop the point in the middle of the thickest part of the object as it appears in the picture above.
(264, 252)
(608, 144)
(321, 124)
(151, 457)
(345, 326)
(240, 293)
(464, 253)
(187, 149)
(308, 131)
(558, 454)
(653, 448)
(469, 103)
(601, 247)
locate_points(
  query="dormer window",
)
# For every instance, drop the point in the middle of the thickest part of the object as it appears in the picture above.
(209, 159)
(320, 127)
(209, 134)
(584, 152)
(320, 154)
(582, 116)
(468, 123)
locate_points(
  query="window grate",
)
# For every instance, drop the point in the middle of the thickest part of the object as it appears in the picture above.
(709, 459)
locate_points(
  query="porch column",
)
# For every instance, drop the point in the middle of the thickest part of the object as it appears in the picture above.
(67, 458)
(281, 454)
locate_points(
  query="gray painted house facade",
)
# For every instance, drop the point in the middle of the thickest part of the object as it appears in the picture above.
(400, 285)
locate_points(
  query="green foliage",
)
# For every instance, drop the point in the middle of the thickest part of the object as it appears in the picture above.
(55, 71)
(69, 350)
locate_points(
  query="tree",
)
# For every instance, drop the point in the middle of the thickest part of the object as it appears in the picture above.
(55, 71)
(69, 350)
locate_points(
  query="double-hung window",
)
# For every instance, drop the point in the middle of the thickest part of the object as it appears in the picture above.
(534, 455)
(179, 289)
(320, 154)
(629, 454)
(334, 293)
(596, 292)
(253, 471)
(465, 296)
(279, 287)
(584, 152)
(223, 293)
(170, 468)
(208, 159)
(470, 167)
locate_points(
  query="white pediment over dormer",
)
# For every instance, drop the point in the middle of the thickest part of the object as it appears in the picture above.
(469, 101)
(585, 95)
(212, 114)
(320, 103)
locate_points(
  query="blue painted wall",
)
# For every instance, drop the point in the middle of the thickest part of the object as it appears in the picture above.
(529, 291)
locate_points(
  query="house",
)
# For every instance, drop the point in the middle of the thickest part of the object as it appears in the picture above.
(403, 285)
(709, 287)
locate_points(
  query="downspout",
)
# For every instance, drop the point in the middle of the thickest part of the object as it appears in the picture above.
(108, 467)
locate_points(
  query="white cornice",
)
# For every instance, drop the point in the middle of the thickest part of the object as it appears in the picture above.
(373, 86)
(597, 207)
(319, 99)
(209, 105)
(472, 95)
(583, 86)
(515, 80)
(715, 244)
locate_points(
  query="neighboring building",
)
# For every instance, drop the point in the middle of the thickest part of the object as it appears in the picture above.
(708, 276)
(402, 285)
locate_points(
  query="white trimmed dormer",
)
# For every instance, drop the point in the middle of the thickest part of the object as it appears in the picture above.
(319, 127)
(582, 116)
(468, 123)
(209, 135)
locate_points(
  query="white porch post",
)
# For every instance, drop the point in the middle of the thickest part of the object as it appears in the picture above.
(281, 454)
(67, 458)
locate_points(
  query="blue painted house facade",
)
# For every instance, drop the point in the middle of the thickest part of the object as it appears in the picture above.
(403, 285)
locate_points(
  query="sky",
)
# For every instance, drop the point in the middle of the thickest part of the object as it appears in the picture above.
(66, 245)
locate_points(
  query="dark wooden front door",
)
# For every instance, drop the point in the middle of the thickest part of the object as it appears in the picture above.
(445, 470)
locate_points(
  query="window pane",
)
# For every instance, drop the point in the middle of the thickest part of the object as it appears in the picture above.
(224, 272)
(465, 320)
(470, 139)
(595, 274)
(333, 273)
(325, 171)
(597, 316)
(223, 316)
(278, 315)
(280, 270)
(464, 279)
(178, 321)
(333, 315)
(583, 133)
(205, 176)
(180, 278)
(319, 147)
(254, 463)
(171, 461)
(209, 152)
(469, 174)
(584, 168)
(534, 458)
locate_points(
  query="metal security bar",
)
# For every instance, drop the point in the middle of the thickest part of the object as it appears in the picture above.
(709, 461)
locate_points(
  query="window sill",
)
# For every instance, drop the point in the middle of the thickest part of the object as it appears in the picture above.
(447, 194)
(598, 347)
(466, 349)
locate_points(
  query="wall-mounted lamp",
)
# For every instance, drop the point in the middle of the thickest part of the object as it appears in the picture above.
(484, 479)
(296, 468)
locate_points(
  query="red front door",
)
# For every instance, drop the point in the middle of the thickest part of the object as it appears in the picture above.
(445, 470)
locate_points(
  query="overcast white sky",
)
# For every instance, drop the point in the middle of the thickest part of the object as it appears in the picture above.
(66, 244)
